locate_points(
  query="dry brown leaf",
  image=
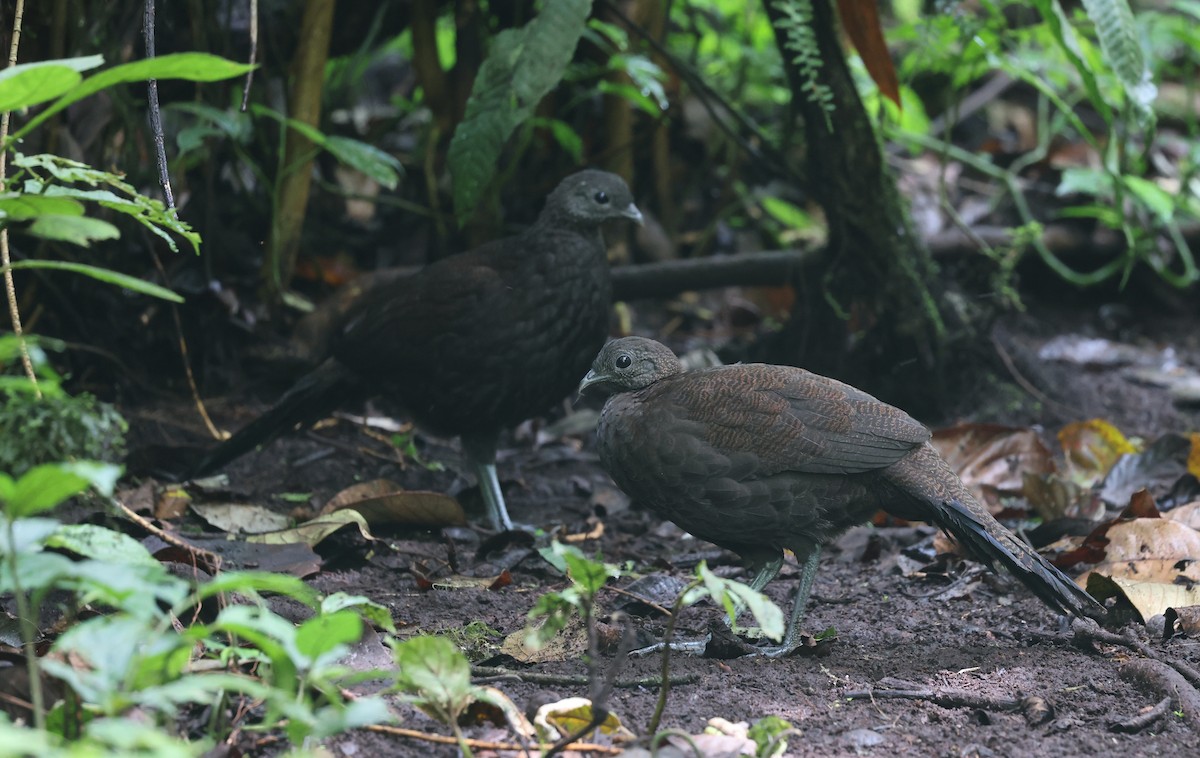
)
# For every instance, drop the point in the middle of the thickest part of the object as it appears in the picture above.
(992, 459)
(312, 532)
(568, 716)
(172, 503)
(860, 20)
(239, 518)
(1189, 515)
(567, 645)
(1193, 459)
(1091, 448)
(1151, 550)
(1149, 599)
(382, 501)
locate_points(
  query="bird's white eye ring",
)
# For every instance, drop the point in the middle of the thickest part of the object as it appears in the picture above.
(624, 361)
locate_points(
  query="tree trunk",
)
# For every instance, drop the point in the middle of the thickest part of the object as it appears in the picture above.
(873, 318)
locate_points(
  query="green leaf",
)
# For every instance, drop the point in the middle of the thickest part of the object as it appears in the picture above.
(522, 66)
(587, 574)
(373, 612)
(33, 83)
(729, 594)
(1084, 181)
(197, 67)
(328, 633)
(435, 674)
(1118, 34)
(78, 230)
(1159, 201)
(105, 275)
(20, 206)
(29, 534)
(248, 582)
(791, 216)
(43, 487)
(100, 543)
(370, 160)
(1062, 31)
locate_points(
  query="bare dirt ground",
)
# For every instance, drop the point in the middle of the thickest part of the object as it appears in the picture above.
(960, 632)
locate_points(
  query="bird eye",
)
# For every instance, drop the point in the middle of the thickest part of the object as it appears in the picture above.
(624, 361)
(601, 197)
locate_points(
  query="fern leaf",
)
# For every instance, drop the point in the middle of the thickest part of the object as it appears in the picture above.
(522, 66)
(1117, 32)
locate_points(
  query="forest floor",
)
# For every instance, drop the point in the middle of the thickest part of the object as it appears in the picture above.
(975, 639)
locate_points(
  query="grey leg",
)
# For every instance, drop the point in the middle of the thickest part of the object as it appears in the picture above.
(492, 496)
(481, 452)
(808, 573)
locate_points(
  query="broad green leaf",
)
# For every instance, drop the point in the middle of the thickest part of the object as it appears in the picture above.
(357, 713)
(1159, 201)
(197, 67)
(29, 534)
(1060, 27)
(590, 575)
(521, 68)
(791, 216)
(43, 487)
(78, 230)
(31, 86)
(329, 632)
(105, 275)
(377, 614)
(22, 206)
(233, 123)
(435, 674)
(370, 160)
(1118, 34)
(248, 582)
(729, 594)
(100, 543)
(1084, 181)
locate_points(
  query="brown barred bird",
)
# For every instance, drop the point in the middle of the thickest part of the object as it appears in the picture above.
(758, 458)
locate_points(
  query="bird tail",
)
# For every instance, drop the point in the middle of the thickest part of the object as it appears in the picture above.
(317, 393)
(956, 510)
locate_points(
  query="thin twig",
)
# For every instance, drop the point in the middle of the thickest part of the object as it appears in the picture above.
(10, 289)
(1089, 631)
(156, 128)
(441, 739)
(253, 53)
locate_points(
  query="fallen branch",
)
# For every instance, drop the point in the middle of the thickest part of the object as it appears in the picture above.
(1087, 630)
(1142, 720)
(779, 267)
(1166, 682)
(945, 698)
(495, 673)
(522, 752)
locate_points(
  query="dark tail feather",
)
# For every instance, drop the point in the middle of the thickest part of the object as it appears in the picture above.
(317, 393)
(997, 544)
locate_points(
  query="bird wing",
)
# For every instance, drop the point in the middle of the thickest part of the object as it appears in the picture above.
(428, 313)
(790, 419)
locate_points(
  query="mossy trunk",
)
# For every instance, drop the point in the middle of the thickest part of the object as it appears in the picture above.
(872, 318)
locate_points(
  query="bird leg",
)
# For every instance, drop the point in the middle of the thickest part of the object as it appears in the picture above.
(481, 452)
(808, 573)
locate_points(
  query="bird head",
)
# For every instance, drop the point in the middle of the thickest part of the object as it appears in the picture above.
(628, 364)
(592, 197)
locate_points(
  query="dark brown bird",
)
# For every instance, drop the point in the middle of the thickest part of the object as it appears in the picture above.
(758, 458)
(475, 342)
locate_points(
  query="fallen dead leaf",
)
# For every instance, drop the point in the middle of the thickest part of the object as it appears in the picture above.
(1149, 599)
(993, 460)
(1150, 550)
(312, 532)
(568, 716)
(172, 503)
(1092, 448)
(1189, 515)
(238, 518)
(567, 645)
(382, 501)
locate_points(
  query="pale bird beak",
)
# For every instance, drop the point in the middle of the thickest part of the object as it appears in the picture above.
(632, 213)
(591, 378)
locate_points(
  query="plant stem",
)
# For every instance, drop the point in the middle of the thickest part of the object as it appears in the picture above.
(28, 630)
(664, 687)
